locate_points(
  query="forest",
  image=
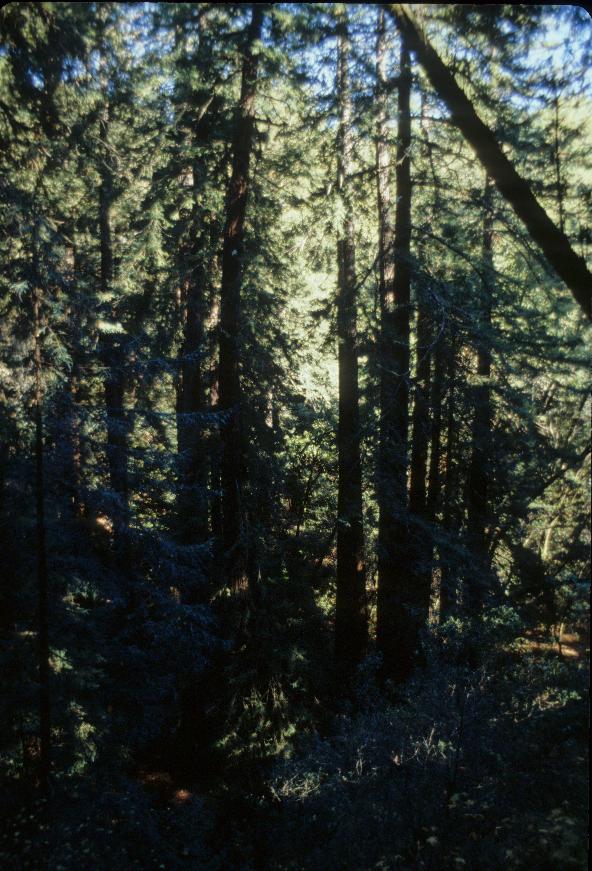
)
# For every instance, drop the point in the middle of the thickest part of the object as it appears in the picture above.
(295, 307)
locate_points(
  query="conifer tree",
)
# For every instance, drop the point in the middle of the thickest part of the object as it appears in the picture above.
(232, 475)
(350, 605)
(397, 622)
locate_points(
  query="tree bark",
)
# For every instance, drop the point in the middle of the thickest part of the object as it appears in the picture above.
(397, 617)
(351, 623)
(232, 465)
(569, 266)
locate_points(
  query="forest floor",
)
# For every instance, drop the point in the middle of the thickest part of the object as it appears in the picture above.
(247, 809)
(493, 776)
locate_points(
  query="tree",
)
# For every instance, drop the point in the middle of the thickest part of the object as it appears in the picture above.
(351, 626)
(234, 531)
(553, 242)
(397, 618)
(478, 509)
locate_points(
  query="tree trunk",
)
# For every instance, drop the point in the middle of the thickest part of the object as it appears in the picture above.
(232, 471)
(448, 583)
(196, 293)
(434, 473)
(397, 617)
(42, 574)
(75, 445)
(113, 358)
(434, 476)
(480, 462)
(570, 267)
(351, 623)
(420, 550)
(192, 503)
(215, 488)
(421, 416)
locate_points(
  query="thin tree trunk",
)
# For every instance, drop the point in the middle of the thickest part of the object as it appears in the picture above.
(421, 416)
(434, 473)
(232, 471)
(434, 476)
(480, 462)
(554, 244)
(448, 581)
(420, 548)
(42, 574)
(397, 617)
(76, 428)
(351, 622)
(215, 488)
(113, 357)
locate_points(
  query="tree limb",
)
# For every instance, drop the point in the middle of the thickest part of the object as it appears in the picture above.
(553, 242)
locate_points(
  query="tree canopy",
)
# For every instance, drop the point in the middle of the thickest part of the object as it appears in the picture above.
(294, 435)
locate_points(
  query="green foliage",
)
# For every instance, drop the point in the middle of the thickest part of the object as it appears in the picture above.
(186, 730)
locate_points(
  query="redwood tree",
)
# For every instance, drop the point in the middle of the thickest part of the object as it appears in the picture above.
(232, 471)
(396, 613)
(351, 626)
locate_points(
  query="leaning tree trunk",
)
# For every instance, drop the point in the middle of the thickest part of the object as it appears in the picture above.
(397, 619)
(351, 624)
(232, 465)
(480, 462)
(553, 242)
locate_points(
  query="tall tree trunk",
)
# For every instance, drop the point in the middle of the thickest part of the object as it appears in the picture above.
(113, 358)
(192, 503)
(42, 574)
(397, 617)
(480, 462)
(420, 550)
(196, 291)
(232, 471)
(351, 624)
(553, 242)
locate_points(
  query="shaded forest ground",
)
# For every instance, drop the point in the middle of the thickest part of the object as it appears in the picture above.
(471, 769)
